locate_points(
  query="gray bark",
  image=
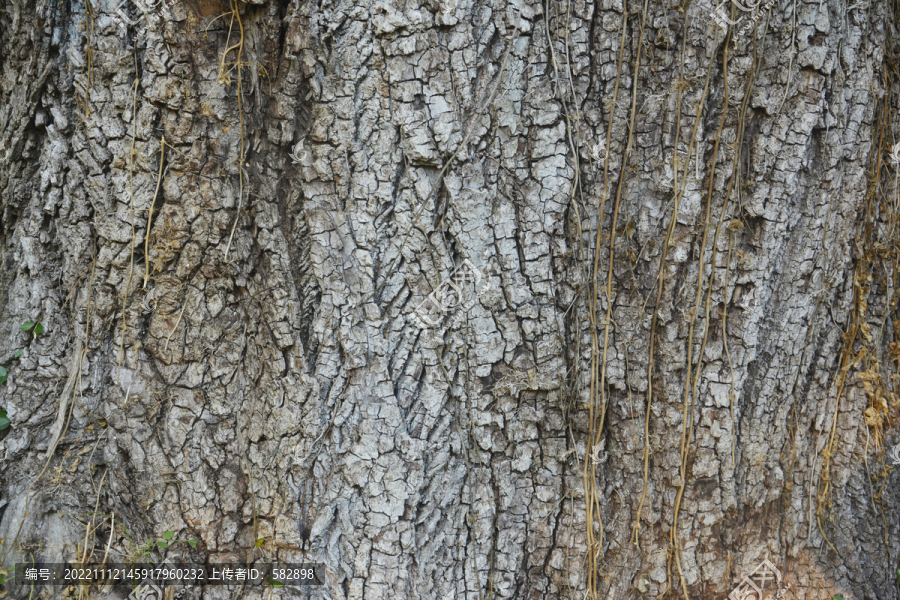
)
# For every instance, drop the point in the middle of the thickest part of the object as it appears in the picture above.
(271, 379)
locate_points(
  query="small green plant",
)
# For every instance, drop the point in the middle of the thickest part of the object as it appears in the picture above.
(34, 328)
(838, 597)
(274, 582)
(168, 538)
(6, 576)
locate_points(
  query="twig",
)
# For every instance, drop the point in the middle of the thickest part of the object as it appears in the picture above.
(87, 531)
(732, 395)
(162, 155)
(240, 49)
(131, 268)
(166, 348)
(112, 528)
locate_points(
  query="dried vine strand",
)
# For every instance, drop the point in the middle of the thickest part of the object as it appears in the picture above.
(589, 472)
(162, 157)
(131, 267)
(661, 276)
(688, 421)
(239, 46)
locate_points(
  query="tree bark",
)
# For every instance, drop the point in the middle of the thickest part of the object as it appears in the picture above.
(670, 355)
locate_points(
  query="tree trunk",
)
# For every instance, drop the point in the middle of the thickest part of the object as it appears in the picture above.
(463, 300)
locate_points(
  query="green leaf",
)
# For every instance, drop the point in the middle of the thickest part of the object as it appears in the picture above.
(168, 535)
(38, 329)
(260, 542)
(19, 353)
(274, 582)
(27, 326)
(162, 544)
(4, 420)
(193, 543)
(838, 597)
(3, 375)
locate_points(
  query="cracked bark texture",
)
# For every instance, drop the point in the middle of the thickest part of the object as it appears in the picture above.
(274, 385)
